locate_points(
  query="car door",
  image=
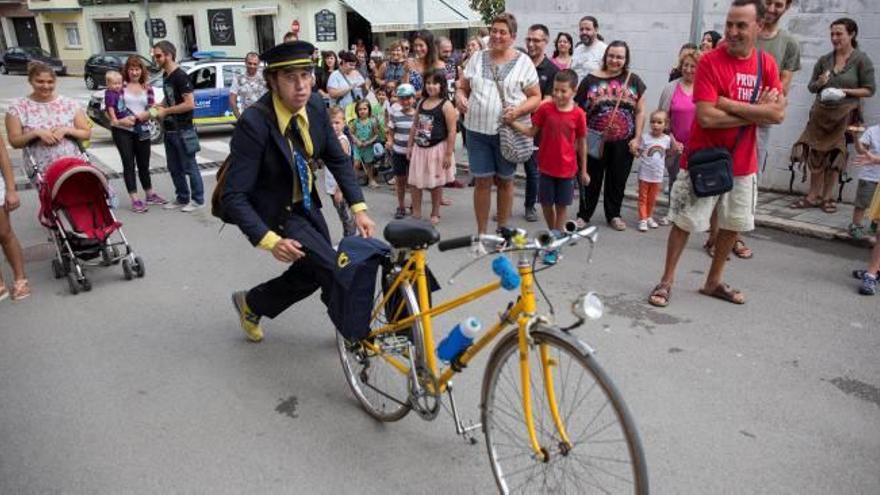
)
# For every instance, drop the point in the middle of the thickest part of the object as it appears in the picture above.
(204, 81)
(16, 60)
(229, 72)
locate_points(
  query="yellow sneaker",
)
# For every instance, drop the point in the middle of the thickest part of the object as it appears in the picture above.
(250, 321)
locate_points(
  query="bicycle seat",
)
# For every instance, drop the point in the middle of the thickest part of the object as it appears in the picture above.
(411, 234)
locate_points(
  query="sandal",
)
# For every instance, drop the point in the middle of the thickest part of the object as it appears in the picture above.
(725, 293)
(617, 224)
(435, 219)
(741, 250)
(20, 289)
(829, 206)
(660, 295)
(4, 293)
(804, 203)
(400, 213)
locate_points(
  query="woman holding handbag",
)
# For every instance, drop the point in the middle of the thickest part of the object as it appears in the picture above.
(479, 100)
(613, 99)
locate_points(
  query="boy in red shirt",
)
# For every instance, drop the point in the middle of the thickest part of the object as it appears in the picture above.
(562, 149)
(724, 85)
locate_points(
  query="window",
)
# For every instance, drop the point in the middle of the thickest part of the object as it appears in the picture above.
(229, 71)
(72, 31)
(205, 78)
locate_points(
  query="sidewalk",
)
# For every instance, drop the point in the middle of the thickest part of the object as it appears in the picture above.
(772, 210)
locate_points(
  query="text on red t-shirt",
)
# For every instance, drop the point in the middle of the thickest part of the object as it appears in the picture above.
(557, 155)
(721, 74)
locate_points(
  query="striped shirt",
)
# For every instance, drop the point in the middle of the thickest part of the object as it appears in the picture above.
(400, 124)
(484, 103)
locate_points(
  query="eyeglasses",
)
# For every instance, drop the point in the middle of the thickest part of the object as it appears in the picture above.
(536, 40)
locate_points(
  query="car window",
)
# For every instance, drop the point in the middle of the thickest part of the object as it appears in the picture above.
(204, 78)
(229, 71)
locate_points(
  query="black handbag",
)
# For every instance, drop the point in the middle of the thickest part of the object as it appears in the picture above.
(711, 169)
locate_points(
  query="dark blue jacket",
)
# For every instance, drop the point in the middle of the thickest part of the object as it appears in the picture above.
(259, 184)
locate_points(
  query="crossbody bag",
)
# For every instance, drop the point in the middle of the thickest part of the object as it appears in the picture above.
(711, 169)
(516, 147)
(596, 139)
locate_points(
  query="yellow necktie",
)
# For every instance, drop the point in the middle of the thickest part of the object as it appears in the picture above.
(303, 127)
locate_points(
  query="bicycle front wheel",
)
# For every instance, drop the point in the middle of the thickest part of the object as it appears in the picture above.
(604, 453)
(380, 387)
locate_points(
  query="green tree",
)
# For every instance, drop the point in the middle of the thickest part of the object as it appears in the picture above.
(488, 9)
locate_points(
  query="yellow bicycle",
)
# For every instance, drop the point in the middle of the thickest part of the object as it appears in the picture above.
(553, 421)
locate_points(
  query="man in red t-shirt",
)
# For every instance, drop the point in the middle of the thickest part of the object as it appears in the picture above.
(725, 81)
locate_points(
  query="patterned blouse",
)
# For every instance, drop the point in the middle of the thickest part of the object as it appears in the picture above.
(33, 115)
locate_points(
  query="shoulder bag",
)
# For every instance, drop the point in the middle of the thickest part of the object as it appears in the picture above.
(596, 139)
(711, 169)
(515, 146)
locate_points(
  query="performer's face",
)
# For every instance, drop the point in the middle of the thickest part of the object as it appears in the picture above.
(293, 87)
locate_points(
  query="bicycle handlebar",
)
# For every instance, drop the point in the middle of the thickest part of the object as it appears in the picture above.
(456, 243)
(543, 240)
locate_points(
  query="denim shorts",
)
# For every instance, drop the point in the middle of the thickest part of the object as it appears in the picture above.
(484, 156)
(555, 190)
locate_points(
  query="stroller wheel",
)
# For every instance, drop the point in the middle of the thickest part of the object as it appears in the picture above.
(126, 269)
(139, 269)
(86, 285)
(72, 284)
(57, 269)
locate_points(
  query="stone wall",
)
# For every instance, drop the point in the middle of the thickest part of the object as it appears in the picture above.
(656, 30)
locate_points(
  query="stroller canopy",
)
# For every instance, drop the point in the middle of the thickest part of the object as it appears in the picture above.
(77, 188)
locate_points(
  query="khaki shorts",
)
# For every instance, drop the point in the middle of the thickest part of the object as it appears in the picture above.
(864, 194)
(736, 208)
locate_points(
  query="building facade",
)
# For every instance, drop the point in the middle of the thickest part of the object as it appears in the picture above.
(656, 30)
(18, 25)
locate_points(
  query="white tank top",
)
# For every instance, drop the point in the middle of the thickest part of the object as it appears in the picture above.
(137, 103)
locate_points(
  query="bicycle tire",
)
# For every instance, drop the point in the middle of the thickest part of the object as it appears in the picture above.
(562, 471)
(381, 390)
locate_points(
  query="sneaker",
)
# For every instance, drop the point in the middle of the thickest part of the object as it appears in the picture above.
(138, 206)
(250, 321)
(643, 226)
(665, 221)
(155, 199)
(400, 213)
(856, 231)
(192, 206)
(551, 257)
(868, 288)
(617, 224)
(652, 223)
(173, 205)
(531, 214)
(860, 274)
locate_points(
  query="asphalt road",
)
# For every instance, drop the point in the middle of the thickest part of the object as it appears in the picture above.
(149, 386)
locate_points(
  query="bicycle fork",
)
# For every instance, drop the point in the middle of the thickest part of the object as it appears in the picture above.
(547, 365)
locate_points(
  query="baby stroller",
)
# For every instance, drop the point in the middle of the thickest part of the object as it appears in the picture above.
(75, 207)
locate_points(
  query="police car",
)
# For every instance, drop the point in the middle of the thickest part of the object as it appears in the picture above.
(211, 76)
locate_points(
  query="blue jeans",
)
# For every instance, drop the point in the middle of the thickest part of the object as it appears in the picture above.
(532, 175)
(180, 165)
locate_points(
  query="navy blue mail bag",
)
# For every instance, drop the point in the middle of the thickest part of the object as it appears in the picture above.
(354, 285)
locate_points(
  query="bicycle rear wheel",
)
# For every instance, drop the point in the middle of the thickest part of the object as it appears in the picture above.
(382, 389)
(606, 454)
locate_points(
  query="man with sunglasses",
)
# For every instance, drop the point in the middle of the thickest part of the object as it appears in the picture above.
(536, 46)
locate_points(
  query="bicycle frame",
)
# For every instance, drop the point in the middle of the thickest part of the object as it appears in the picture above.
(521, 313)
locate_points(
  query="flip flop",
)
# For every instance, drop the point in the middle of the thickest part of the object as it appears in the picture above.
(741, 250)
(660, 295)
(725, 293)
(829, 206)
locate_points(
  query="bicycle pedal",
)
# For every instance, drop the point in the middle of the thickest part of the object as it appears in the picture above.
(394, 344)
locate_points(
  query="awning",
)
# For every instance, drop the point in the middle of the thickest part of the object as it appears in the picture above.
(402, 15)
(267, 10)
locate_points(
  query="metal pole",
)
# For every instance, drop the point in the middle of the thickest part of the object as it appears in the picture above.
(420, 8)
(148, 24)
(696, 21)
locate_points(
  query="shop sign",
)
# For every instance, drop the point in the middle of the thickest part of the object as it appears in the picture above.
(156, 27)
(325, 26)
(221, 27)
